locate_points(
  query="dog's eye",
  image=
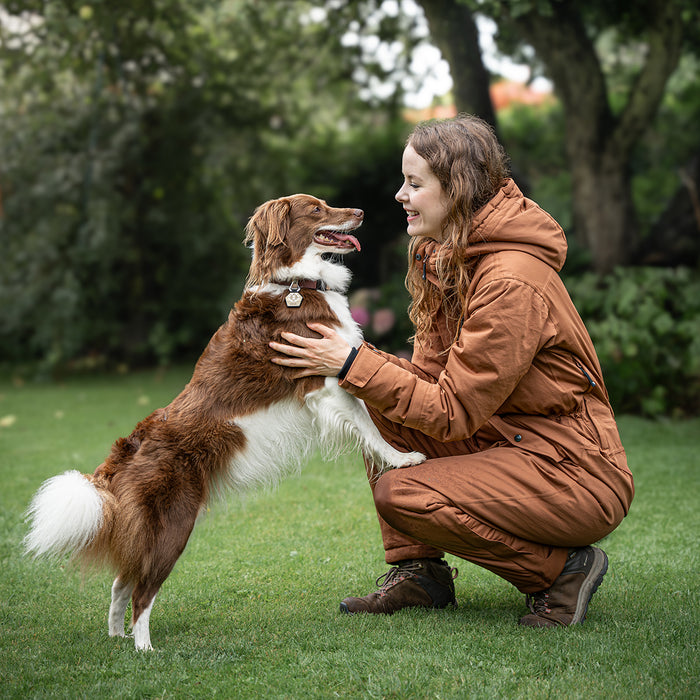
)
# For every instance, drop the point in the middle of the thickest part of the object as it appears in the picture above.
(316, 210)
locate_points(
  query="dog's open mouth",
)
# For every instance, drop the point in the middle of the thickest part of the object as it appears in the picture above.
(332, 238)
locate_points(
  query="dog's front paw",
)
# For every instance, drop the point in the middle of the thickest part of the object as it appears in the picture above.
(407, 459)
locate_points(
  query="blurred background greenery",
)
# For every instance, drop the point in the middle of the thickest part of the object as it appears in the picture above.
(137, 137)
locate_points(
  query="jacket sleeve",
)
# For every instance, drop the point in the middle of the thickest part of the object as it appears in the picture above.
(505, 328)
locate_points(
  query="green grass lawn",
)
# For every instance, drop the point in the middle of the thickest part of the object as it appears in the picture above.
(251, 609)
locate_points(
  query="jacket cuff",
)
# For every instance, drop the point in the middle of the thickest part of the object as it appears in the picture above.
(366, 363)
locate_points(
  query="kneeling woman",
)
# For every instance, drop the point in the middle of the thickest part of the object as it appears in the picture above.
(504, 395)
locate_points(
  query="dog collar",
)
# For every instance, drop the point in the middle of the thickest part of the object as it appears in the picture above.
(294, 299)
(295, 285)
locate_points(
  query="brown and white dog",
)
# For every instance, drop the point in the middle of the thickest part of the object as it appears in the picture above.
(241, 420)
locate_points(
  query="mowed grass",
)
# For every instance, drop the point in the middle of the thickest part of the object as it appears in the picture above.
(251, 609)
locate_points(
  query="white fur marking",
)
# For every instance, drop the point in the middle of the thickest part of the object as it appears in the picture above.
(341, 418)
(313, 266)
(278, 438)
(142, 635)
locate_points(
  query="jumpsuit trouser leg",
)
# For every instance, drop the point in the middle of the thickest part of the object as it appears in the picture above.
(510, 511)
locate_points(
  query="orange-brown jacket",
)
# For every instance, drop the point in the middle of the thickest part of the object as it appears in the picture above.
(523, 369)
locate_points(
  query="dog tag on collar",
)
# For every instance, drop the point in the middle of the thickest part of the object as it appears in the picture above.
(293, 299)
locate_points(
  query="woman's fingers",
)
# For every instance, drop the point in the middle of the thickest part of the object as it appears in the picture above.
(292, 350)
(324, 355)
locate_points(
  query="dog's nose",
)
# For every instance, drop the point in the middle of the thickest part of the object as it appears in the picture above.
(358, 213)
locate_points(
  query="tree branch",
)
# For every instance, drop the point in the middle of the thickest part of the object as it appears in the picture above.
(664, 40)
(562, 43)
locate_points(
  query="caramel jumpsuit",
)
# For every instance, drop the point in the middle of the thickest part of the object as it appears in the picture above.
(524, 456)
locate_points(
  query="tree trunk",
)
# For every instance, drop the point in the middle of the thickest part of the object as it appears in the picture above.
(603, 210)
(453, 30)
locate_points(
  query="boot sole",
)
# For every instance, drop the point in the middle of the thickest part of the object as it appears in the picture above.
(590, 585)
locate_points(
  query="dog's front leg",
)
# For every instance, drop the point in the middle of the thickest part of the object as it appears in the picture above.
(342, 417)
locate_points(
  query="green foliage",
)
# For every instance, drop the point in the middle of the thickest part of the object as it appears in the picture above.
(117, 216)
(645, 324)
(251, 609)
(133, 147)
(112, 246)
(533, 136)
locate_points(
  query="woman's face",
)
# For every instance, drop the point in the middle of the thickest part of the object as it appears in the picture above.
(423, 199)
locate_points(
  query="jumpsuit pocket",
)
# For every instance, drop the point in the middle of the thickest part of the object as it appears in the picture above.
(525, 439)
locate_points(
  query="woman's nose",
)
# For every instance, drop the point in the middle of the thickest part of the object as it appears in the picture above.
(400, 196)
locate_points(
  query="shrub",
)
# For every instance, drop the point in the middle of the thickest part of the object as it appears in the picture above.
(645, 324)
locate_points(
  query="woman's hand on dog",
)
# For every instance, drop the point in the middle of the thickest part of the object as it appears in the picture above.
(314, 356)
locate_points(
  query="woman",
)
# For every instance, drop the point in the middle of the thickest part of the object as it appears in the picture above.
(504, 394)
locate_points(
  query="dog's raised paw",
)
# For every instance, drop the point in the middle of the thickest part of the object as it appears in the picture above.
(408, 459)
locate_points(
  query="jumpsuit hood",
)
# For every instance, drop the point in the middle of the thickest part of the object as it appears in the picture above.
(511, 221)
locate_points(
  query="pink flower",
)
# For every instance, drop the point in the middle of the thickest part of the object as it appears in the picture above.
(383, 321)
(360, 315)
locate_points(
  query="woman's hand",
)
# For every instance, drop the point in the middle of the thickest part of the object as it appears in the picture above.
(314, 356)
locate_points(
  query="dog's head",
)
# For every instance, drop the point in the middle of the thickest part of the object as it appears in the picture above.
(284, 231)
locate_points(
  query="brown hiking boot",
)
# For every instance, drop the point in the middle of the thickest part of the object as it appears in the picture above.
(565, 602)
(426, 583)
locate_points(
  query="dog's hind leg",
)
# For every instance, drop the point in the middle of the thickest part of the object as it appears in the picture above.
(121, 592)
(159, 561)
(143, 604)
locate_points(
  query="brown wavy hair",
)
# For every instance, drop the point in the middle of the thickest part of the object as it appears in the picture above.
(471, 165)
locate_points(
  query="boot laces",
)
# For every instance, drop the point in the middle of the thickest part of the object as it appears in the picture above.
(538, 602)
(405, 570)
(395, 575)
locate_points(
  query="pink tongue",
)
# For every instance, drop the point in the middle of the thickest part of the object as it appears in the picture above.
(348, 237)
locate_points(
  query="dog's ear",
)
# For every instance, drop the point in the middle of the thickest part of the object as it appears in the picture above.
(270, 223)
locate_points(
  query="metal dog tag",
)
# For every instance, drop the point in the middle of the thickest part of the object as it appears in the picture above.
(293, 299)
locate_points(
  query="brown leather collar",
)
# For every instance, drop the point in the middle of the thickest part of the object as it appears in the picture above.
(319, 285)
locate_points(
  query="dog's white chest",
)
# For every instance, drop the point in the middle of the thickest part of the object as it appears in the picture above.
(349, 330)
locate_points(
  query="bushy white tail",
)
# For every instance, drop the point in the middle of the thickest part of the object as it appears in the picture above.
(65, 515)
